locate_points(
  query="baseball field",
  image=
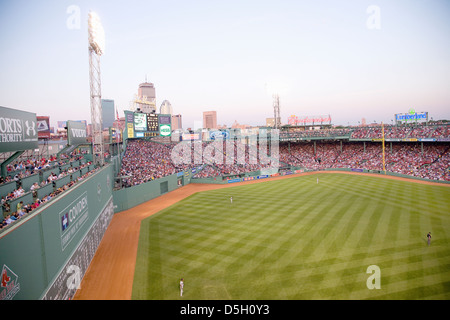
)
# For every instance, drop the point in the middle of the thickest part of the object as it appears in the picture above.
(300, 238)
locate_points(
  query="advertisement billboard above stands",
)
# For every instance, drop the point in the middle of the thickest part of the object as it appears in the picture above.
(129, 117)
(18, 130)
(293, 120)
(76, 132)
(165, 125)
(218, 134)
(114, 135)
(165, 130)
(190, 136)
(129, 124)
(411, 117)
(165, 119)
(130, 130)
(43, 127)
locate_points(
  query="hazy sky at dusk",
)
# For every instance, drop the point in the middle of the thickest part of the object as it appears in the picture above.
(219, 55)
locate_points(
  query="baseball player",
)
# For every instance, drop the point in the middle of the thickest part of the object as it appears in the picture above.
(231, 199)
(181, 287)
(429, 238)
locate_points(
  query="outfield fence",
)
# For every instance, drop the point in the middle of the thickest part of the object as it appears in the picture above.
(127, 198)
(45, 254)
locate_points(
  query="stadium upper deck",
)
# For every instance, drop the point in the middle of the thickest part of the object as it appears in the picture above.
(432, 132)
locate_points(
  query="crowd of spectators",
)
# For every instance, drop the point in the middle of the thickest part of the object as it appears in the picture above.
(13, 214)
(375, 132)
(145, 160)
(207, 171)
(27, 167)
(401, 132)
(430, 161)
(13, 195)
(24, 168)
(333, 132)
(241, 159)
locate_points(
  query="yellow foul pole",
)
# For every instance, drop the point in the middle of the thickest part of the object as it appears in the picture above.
(382, 133)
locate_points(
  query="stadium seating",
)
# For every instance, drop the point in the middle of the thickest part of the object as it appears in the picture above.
(145, 160)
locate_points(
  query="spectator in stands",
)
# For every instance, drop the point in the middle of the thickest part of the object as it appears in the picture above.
(23, 209)
(19, 206)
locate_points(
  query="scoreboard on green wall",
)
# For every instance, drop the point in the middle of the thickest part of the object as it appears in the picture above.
(152, 122)
(146, 125)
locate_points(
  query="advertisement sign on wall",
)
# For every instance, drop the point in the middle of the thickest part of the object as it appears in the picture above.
(411, 116)
(76, 132)
(313, 120)
(216, 134)
(43, 127)
(190, 136)
(165, 130)
(18, 130)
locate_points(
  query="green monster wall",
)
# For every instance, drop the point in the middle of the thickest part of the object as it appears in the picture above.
(45, 255)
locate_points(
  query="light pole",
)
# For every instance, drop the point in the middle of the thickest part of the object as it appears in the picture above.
(96, 37)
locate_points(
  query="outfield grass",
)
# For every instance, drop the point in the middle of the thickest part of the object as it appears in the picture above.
(296, 239)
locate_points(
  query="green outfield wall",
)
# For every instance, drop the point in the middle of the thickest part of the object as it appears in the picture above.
(127, 198)
(45, 254)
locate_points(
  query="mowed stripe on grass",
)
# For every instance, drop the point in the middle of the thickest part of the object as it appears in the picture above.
(296, 239)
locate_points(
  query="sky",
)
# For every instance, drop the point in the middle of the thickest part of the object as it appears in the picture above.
(351, 59)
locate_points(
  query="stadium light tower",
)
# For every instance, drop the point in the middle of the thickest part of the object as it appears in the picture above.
(274, 89)
(96, 37)
(276, 110)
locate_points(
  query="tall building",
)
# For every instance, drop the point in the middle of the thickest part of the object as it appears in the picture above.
(176, 122)
(146, 97)
(210, 119)
(166, 107)
(107, 113)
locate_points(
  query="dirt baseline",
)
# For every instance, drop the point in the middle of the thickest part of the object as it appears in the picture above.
(111, 272)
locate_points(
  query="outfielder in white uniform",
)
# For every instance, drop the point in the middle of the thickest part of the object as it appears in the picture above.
(181, 287)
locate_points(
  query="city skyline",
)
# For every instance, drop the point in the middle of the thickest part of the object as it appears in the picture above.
(352, 59)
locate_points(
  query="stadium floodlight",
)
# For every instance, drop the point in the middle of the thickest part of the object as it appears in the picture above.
(96, 38)
(274, 89)
(96, 33)
(276, 111)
